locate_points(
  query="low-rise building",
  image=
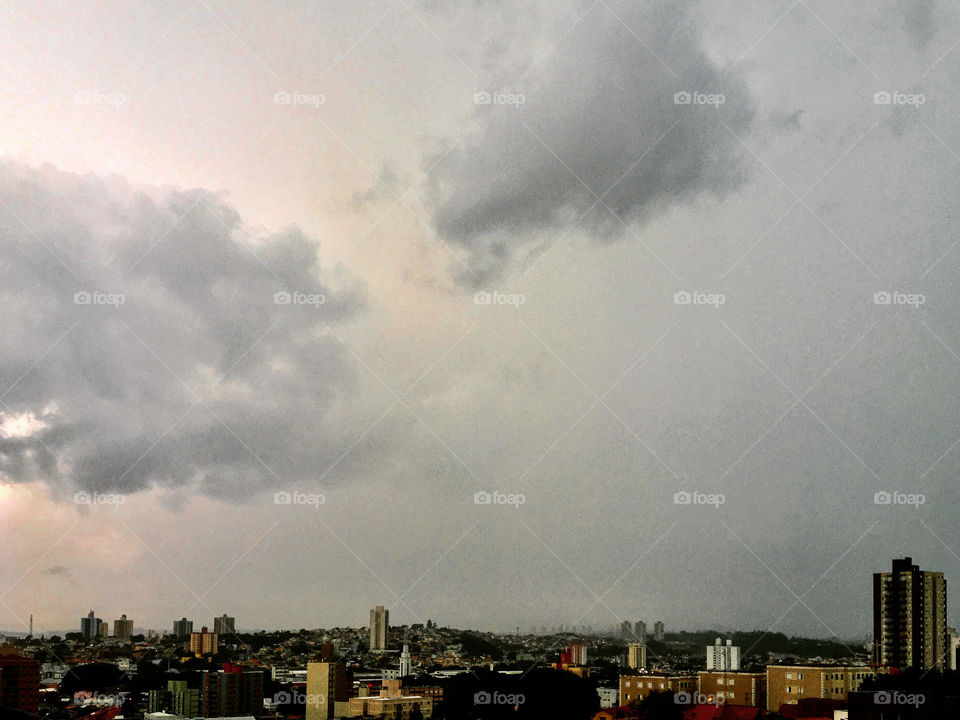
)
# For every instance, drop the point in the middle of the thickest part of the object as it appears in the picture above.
(735, 688)
(787, 684)
(637, 687)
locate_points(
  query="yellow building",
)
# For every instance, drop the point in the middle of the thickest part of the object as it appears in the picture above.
(786, 684)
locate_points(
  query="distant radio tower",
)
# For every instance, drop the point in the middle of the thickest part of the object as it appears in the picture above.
(31, 624)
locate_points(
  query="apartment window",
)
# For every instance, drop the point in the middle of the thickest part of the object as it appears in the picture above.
(789, 689)
(789, 676)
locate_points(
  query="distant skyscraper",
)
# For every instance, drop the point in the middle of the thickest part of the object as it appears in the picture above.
(640, 631)
(626, 631)
(405, 664)
(637, 655)
(123, 628)
(204, 642)
(722, 656)
(909, 617)
(658, 631)
(224, 625)
(379, 626)
(90, 626)
(182, 628)
(578, 653)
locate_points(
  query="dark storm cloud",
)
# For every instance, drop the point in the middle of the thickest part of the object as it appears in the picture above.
(176, 310)
(599, 119)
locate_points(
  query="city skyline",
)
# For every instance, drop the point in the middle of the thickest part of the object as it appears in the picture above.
(492, 313)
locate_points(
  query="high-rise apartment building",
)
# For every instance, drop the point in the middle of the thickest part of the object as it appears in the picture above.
(204, 642)
(379, 626)
(909, 617)
(19, 682)
(90, 626)
(658, 633)
(722, 656)
(405, 661)
(224, 625)
(182, 628)
(637, 656)
(123, 628)
(626, 631)
(640, 631)
(578, 653)
(231, 693)
(327, 683)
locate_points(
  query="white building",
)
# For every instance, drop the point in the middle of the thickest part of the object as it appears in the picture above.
(722, 656)
(608, 696)
(405, 663)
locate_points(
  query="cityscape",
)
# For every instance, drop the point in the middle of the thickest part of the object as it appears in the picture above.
(479, 359)
(421, 671)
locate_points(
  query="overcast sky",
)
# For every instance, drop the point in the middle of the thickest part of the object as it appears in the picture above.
(718, 240)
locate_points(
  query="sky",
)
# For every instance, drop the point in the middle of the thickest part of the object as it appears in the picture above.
(497, 313)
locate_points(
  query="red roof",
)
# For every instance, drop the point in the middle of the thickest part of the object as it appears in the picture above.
(723, 712)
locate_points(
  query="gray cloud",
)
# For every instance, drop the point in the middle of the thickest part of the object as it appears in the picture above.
(198, 376)
(599, 120)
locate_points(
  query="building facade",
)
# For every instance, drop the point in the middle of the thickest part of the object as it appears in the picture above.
(123, 628)
(658, 631)
(379, 626)
(327, 684)
(909, 617)
(204, 642)
(636, 656)
(182, 628)
(787, 684)
(634, 688)
(723, 656)
(735, 688)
